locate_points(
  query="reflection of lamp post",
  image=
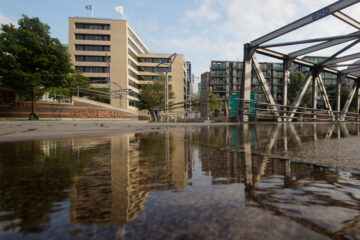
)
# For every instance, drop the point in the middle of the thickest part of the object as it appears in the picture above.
(169, 61)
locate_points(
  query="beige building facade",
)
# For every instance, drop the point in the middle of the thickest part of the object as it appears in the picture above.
(113, 56)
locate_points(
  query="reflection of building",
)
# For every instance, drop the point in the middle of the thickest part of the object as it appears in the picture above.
(114, 57)
(114, 189)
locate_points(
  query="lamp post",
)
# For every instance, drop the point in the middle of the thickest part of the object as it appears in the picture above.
(118, 93)
(169, 61)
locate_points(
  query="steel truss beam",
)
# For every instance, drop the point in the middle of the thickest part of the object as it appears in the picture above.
(274, 54)
(325, 96)
(339, 52)
(343, 59)
(343, 17)
(348, 102)
(265, 88)
(299, 97)
(356, 34)
(346, 65)
(337, 6)
(350, 70)
(324, 45)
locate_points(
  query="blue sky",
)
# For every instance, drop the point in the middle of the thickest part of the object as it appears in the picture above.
(202, 30)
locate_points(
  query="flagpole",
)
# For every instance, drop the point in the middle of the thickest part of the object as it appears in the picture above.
(92, 10)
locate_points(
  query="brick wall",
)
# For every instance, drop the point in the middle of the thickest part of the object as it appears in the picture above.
(48, 110)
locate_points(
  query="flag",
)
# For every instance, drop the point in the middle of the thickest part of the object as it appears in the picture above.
(88, 7)
(119, 9)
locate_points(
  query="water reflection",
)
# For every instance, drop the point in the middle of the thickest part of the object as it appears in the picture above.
(181, 183)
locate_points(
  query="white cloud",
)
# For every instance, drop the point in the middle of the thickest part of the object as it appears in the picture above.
(6, 20)
(224, 26)
(204, 14)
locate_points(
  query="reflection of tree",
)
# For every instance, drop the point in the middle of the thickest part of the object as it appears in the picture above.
(32, 181)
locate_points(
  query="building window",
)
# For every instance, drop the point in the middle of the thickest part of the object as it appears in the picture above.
(131, 73)
(131, 63)
(98, 80)
(134, 47)
(217, 72)
(80, 47)
(134, 84)
(132, 54)
(97, 26)
(92, 69)
(137, 41)
(82, 58)
(133, 103)
(96, 37)
(134, 94)
(157, 69)
(156, 60)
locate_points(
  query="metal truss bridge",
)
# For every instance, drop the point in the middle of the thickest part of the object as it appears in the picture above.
(264, 46)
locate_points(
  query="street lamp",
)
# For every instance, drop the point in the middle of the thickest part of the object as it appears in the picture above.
(168, 64)
(118, 93)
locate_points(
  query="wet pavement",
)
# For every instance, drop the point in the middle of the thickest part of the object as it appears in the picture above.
(263, 181)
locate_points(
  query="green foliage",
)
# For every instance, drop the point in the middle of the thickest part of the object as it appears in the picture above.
(344, 95)
(91, 94)
(296, 81)
(215, 101)
(153, 95)
(32, 62)
(195, 106)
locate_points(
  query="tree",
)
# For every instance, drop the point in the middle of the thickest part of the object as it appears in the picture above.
(344, 94)
(32, 62)
(297, 79)
(215, 101)
(195, 105)
(152, 96)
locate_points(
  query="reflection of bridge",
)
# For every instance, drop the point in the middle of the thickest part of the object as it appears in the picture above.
(288, 207)
(288, 188)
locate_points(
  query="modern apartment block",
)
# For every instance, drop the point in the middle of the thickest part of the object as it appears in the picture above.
(226, 76)
(113, 56)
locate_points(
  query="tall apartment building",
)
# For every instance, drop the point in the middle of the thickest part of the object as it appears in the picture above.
(226, 76)
(113, 56)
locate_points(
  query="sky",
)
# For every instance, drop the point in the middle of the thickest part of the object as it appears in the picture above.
(201, 30)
